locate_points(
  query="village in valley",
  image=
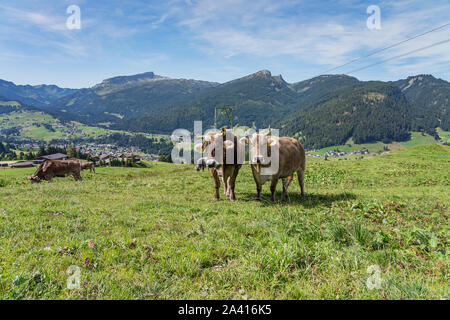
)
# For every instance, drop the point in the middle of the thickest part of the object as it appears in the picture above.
(337, 153)
(101, 154)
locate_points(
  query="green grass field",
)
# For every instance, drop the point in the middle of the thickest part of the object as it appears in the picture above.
(444, 135)
(417, 139)
(155, 233)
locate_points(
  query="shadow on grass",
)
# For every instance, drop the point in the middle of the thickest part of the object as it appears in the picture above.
(311, 200)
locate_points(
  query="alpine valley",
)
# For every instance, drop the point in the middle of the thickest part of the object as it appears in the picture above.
(328, 110)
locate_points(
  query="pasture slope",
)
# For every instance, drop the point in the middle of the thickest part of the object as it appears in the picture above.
(155, 233)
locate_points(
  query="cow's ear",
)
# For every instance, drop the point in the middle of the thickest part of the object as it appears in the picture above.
(210, 134)
(244, 141)
(45, 166)
(272, 142)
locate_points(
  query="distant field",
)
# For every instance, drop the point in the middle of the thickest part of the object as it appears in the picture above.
(156, 233)
(9, 103)
(417, 139)
(28, 121)
(444, 135)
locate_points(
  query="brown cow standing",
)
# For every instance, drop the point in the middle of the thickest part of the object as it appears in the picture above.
(228, 168)
(291, 159)
(88, 165)
(57, 168)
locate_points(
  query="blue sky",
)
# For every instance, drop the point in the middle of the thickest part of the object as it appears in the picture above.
(215, 40)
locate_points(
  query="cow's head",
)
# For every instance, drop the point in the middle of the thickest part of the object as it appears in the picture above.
(34, 178)
(216, 143)
(260, 147)
(39, 174)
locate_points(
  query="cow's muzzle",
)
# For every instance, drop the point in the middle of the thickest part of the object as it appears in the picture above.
(211, 163)
(260, 160)
(201, 164)
(34, 179)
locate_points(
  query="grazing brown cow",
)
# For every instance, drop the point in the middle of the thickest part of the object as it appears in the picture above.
(88, 165)
(57, 168)
(222, 159)
(291, 159)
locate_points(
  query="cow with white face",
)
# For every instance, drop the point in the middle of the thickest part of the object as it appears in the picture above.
(273, 158)
(224, 158)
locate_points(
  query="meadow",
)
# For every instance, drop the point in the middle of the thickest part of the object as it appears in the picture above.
(155, 233)
(417, 139)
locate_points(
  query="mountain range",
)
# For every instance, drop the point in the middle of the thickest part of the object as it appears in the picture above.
(322, 111)
(39, 96)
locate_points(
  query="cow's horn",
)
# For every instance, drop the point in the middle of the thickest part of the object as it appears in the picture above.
(272, 142)
(212, 132)
(244, 141)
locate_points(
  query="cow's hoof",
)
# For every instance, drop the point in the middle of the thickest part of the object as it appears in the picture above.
(216, 199)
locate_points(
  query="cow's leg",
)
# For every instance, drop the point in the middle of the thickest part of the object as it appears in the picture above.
(93, 169)
(215, 176)
(258, 192)
(229, 185)
(233, 183)
(77, 176)
(290, 179)
(258, 183)
(231, 194)
(285, 187)
(225, 179)
(301, 180)
(273, 187)
(228, 173)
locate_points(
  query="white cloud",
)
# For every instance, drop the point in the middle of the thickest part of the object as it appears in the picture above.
(38, 19)
(268, 29)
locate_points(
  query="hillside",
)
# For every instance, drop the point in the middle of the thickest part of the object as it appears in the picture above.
(127, 97)
(383, 111)
(321, 88)
(20, 122)
(367, 112)
(257, 99)
(155, 233)
(429, 99)
(38, 96)
(323, 111)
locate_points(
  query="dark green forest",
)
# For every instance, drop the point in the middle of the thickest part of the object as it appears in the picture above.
(368, 113)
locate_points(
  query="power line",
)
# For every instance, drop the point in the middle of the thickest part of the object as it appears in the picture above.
(399, 56)
(386, 48)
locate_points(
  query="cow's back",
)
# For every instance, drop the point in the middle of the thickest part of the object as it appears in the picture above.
(63, 167)
(292, 157)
